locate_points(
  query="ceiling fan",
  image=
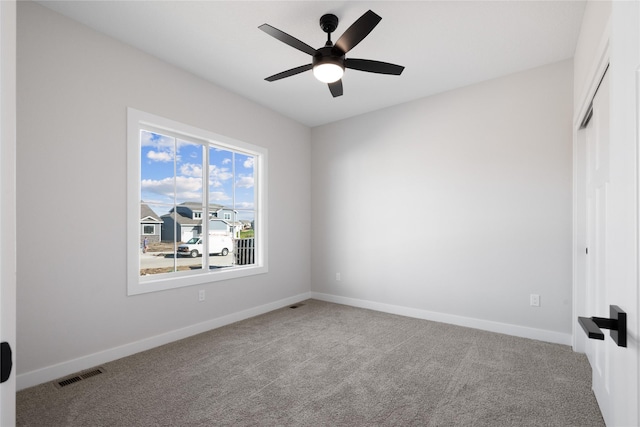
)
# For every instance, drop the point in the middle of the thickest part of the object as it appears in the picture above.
(328, 63)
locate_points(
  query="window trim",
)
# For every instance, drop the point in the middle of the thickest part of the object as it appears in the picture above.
(153, 233)
(137, 284)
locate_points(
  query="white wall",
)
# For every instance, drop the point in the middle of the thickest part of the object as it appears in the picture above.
(483, 174)
(74, 86)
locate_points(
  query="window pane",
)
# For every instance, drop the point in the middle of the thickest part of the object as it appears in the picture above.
(245, 244)
(247, 222)
(245, 208)
(157, 167)
(157, 253)
(221, 244)
(220, 176)
(244, 182)
(189, 174)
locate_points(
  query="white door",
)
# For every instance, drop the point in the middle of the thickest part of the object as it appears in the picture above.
(597, 144)
(612, 194)
(7, 201)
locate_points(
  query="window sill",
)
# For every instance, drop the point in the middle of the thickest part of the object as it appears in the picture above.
(162, 282)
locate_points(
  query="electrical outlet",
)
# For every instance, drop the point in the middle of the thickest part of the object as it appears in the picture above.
(534, 300)
(201, 295)
(338, 277)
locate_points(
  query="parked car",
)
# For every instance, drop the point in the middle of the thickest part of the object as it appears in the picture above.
(219, 244)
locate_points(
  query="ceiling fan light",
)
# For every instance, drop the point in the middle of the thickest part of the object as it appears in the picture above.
(328, 72)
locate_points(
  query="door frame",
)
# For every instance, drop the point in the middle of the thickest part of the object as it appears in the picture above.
(595, 75)
(8, 25)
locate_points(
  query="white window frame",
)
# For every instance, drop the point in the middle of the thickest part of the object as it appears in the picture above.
(136, 284)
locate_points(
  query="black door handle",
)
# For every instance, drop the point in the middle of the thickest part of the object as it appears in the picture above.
(617, 324)
(6, 361)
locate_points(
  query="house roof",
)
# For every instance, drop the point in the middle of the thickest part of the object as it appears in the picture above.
(147, 214)
(182, 220)
(197, 207)
(150, 220)
(194, 207)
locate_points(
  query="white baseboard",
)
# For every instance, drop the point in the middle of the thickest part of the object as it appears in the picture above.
(50, 373)
(485, 325)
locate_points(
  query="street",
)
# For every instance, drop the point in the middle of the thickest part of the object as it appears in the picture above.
(162, 260)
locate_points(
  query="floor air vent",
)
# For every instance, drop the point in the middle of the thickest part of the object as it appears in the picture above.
(78, 377)
(297, 305)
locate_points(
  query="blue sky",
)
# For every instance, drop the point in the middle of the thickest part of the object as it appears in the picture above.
(170, 165)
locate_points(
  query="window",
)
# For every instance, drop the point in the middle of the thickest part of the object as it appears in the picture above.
(184, 175)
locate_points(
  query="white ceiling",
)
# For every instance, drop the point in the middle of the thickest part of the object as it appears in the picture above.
(443, 45)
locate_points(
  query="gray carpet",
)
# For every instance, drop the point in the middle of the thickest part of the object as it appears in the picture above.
(333, 365)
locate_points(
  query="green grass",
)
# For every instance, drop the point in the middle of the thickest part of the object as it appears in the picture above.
(246, 234)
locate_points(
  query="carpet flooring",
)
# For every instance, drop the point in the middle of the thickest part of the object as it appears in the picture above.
(324, 364)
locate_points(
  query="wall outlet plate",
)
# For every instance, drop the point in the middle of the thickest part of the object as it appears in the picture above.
(534, 300)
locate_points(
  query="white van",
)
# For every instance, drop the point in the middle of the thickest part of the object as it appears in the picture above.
(219, 244)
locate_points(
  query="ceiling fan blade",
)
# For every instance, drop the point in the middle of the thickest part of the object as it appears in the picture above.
(373, 66)
(289, 73)
(287, 39)
(336, 88)
(357, 31)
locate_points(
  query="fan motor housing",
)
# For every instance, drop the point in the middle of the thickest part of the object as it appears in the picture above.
(326, 55)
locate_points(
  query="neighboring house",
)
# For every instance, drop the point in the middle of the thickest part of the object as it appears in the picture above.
(238, 226)
(226, 214)
(150, 224)
(194, 210)
(218, 225)
(186, 221)
(185, 227)
(230, 216)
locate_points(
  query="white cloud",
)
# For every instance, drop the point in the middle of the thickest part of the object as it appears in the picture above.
(162, 149)
(191, 169)
(160, 156)
(244, 205)
(218, 196)
(186, 188)
(149, 139)
(226, 161)
(217, 175)
(245, 181)
(248, 163)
